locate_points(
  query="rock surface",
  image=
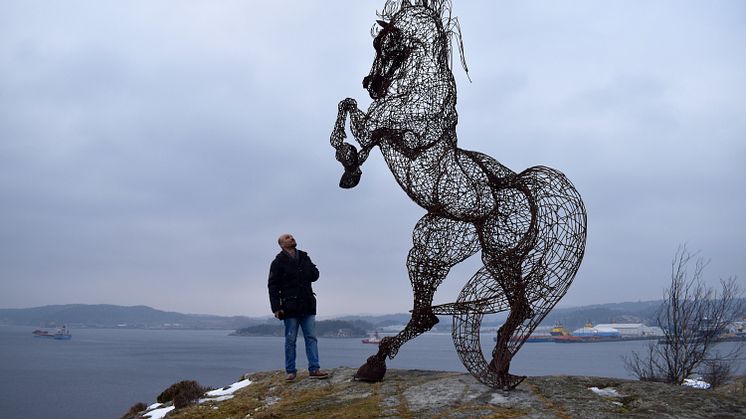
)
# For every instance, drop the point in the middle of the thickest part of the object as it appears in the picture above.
(415, 394)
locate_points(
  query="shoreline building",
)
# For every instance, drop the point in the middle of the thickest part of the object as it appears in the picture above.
(633, 330)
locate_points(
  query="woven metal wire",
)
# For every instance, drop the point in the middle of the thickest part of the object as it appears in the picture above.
(530, 226)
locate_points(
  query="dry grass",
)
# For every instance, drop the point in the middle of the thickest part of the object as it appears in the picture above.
(325, 401)
(737, 387)
(134, 410)
(548, 403)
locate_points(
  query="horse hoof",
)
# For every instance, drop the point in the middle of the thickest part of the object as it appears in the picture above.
(511, 381)
(372, 371)
(350, 179)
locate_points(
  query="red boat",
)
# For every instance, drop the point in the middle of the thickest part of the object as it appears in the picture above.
(373, 339)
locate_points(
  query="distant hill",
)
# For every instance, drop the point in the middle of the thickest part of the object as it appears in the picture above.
(143, 317)
(105, 315)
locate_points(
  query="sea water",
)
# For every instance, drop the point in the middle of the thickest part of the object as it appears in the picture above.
(100, 373)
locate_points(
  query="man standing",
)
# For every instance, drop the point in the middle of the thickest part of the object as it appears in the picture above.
(292, 300)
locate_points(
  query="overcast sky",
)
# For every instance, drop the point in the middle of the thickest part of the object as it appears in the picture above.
(152, 151)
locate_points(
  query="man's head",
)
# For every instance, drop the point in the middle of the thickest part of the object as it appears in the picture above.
(286, 241)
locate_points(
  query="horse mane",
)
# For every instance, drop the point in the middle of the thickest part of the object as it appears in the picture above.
(444, 9)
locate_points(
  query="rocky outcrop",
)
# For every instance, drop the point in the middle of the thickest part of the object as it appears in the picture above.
(415, 394)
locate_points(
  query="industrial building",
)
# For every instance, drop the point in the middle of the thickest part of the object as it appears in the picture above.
(632, 330)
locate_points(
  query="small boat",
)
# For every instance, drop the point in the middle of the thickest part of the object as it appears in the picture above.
(373, 338)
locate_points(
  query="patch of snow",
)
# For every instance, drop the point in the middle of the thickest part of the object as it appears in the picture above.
(498, 399)
(158, 413)
(605, 392)
(348, 396)
(696, 383)
(230, 389)
(219, 395)
(216, 399)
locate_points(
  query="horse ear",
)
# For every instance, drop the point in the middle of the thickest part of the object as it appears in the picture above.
(383, 24)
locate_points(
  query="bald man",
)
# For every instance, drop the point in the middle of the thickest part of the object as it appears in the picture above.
(293, 301)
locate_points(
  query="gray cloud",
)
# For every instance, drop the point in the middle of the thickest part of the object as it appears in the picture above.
(151, 153)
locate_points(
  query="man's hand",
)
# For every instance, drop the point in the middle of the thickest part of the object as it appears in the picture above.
(279, 314)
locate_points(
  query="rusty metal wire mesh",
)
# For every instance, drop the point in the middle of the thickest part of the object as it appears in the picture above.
(529, 226)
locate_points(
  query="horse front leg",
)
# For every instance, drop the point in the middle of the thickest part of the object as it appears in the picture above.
(347, 154)
(439, 244)
(426, 275)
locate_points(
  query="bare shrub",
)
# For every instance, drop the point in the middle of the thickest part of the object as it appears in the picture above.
(693, 317)
(182, 393)
(134, 410)
(717, 371)
(644, 366)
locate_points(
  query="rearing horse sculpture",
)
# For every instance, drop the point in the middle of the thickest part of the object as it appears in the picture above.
(529, 226)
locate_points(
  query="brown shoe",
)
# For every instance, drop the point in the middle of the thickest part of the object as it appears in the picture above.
(290, 376)
(318, 374)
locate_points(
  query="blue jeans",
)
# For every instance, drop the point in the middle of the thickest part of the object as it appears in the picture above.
(308, 325)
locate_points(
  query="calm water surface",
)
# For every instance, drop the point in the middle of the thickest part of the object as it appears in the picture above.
(100, 373)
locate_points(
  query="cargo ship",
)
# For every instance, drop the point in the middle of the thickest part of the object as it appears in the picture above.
(611, 332)
(544, 334)
(63, 333)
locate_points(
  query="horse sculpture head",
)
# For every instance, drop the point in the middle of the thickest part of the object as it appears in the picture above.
(412, 48)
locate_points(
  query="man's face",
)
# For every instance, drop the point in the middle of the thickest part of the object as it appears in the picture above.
(287, 241)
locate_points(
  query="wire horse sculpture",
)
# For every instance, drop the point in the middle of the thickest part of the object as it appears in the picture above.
(530, 226)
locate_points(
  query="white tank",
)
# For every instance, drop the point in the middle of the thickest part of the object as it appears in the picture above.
(587, 332)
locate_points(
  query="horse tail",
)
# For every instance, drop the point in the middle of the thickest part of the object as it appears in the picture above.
(552, 249)
(560, 225)
(558, 233)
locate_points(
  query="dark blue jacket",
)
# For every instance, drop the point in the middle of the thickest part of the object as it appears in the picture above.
(290, 284)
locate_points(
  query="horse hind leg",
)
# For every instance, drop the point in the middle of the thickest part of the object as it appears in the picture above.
(514, 287)
(546, 271)
(503, 354)
(484, 294)
(480, 295)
